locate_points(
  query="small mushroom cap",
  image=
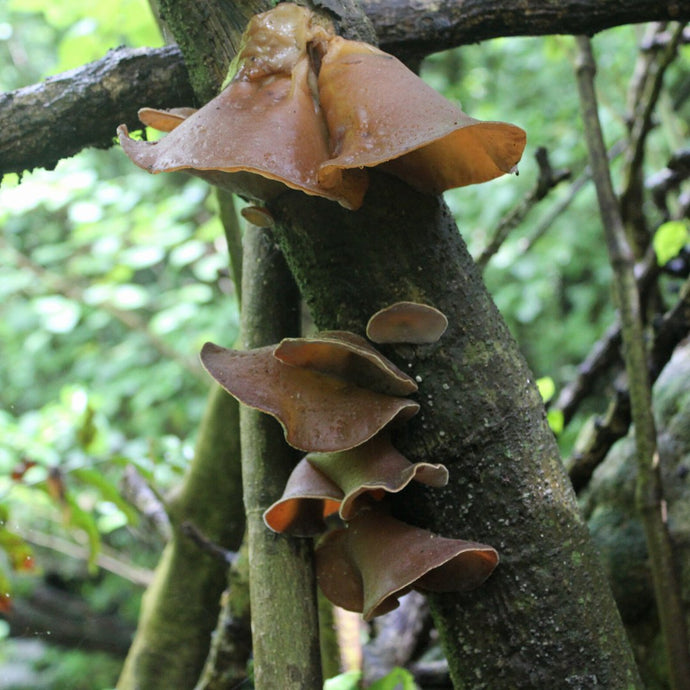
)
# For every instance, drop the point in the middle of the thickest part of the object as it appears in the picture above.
(407, 322)
(373, 469)
(308, 499)
(376, 559)
(348, 356)
(378, 111)
(318, 412)
(257, 215)
(164, 120)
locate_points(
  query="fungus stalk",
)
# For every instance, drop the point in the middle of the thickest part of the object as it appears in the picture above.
(649, 492)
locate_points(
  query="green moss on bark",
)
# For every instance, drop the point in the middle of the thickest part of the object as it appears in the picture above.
(180, 608)
(546, 614)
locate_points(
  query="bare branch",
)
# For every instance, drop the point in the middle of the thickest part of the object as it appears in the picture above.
(669, 331)
(107, 559)
(548, 179)
(43, 123)
(645, 91)
(648, 494)
(417, 29)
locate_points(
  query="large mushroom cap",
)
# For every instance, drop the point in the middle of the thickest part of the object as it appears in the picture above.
(376, 559)
(266, 122)
(407, 322)
(308, 499)
(348, 356)
(380, 112)
(318, 412)
(373, 469)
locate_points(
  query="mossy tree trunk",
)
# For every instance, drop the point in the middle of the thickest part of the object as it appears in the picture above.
(282, 589)
(546, 617)
(181, 606)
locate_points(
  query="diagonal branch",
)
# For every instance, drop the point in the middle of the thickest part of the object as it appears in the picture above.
(649, 495)
(43, 123)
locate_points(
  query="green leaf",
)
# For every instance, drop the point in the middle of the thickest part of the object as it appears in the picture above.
(397, 679)
(77, 517)
(546, 387)
(18, 551)
(5, 591)
(669, 239)
(108, 491)
(556, 421)
(344, 681)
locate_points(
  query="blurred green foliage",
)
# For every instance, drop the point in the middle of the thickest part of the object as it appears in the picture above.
(112, 278)
(551, 279)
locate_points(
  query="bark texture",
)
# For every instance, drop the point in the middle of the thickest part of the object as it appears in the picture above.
(57, 118)
(43, 123)
(282, 589)
(180, 608)
(546, 616)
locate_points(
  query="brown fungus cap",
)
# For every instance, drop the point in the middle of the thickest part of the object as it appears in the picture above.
(348, 356)
(380, 113)
(265, 124)
(164, 120)
(258, 216)
(372, 470)
(407, 322)
(375, 559)
(308, 499)
(318, 412)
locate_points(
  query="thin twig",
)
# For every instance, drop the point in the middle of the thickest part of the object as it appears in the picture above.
(575, 188)
(669, 331)
(643, 99)
(669, 179)
(605, 352)
(233, 237)
(548, 179)
(649, 496)
(106, 560)
(191, 531)
(137, 491)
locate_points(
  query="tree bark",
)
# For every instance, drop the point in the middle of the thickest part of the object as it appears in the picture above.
(546, 615)
(180, 608)
(43, 123)
(282, 589)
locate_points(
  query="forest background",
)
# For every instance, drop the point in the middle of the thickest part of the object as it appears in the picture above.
(113, 279)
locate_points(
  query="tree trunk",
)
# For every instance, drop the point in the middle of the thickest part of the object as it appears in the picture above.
(181, 606)
(546, 615)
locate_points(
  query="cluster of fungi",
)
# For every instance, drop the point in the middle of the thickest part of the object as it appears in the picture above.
(337, 397)
(305, 109)
(311, 111)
